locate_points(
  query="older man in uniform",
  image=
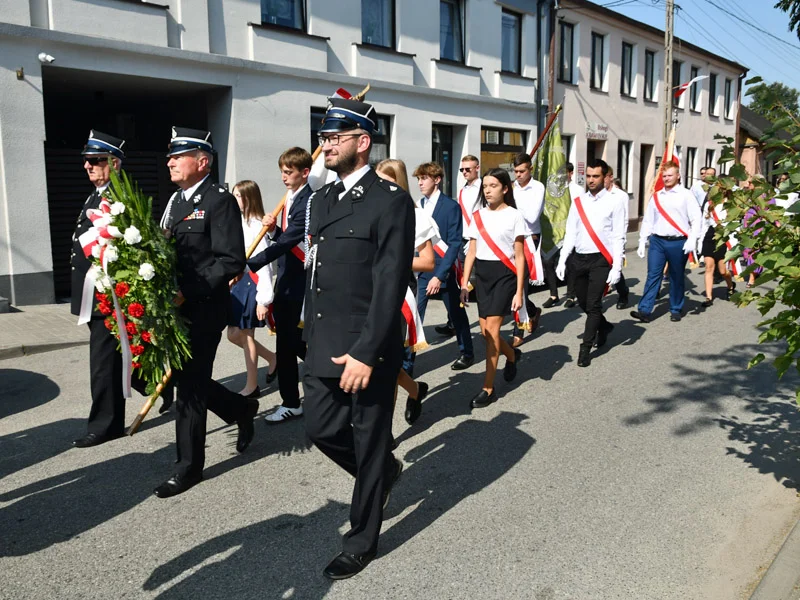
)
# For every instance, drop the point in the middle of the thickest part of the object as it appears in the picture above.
(101, 153)
(206, 223)
(362, 244)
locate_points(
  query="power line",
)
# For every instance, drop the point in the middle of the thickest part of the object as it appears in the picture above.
(749, 24)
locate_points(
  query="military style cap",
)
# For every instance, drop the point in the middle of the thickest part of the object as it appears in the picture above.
(343, 115)
(102, 143)
(188, 140)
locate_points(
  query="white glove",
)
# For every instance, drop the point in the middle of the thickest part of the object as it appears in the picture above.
(561, 271)
(613, 275)
(640, 250)
(688, 247)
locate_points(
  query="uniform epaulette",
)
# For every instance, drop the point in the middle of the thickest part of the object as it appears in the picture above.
(389, 186)
(221, 189)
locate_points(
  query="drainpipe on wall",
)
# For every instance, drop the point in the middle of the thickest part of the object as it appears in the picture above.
(551, 64)
(539, 66)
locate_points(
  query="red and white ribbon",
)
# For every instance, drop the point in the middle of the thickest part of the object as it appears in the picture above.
(533, 257)
(441, 249)
(415, 335)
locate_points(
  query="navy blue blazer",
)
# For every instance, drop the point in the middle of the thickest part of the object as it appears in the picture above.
(447, 215)
(291, 272)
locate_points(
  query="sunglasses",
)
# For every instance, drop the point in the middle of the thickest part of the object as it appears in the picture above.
(466, 169)
(95, 160)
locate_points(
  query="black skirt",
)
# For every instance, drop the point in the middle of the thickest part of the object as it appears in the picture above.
(243, 304)
(495, 286)
(710, 248)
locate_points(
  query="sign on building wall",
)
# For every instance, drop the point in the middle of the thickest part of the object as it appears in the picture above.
(580, 178)
(596, 131)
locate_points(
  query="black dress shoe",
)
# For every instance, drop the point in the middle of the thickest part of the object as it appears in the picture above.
(675, 317)
(414, 405)
(272, 376)
(622, 304)
(551, 302)
(584, 360)
(707, 302)
(246, 427)
(445, 330)
(254, 395)
(392, 479)
(92, 439)
(483, 399)
(570, 303)
(602, 334)
(463, 362)
(345, 565)
(640, 316)
(175, 485)
(510, 370)
(167, 397)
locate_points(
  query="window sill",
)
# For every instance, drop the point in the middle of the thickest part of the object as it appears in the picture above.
(694, 111)
(566, 82)
(285, 29)
(650, 101)
(514, 75)
(599, 91)
(142, 3)
(455, 63)
(384, 49)
(625, 96)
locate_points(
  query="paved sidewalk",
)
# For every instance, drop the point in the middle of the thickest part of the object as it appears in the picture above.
(40, 328)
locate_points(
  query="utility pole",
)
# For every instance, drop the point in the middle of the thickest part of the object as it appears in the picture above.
(668, 91)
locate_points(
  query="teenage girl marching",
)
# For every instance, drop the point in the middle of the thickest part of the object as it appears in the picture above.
(496, 235)
(253, 293)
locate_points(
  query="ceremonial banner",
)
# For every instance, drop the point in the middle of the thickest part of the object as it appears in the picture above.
(549, 167)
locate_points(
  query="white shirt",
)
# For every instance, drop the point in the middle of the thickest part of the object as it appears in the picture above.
(424, 228)
(167, 216)
(784, 203)
(606, 215)
(352, 179)
(624, 198)
(680, 205)
(190, 192)
(575, 190)
(699, 190)
(504, 226)
(429, 204)
(468, 201)
(264, 289)
(530, 202)
(708, 217)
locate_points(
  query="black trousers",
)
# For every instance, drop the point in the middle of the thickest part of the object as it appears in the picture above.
(590, 272)
(198, 392)
(107, 414)
(550, 277)
(354, 431)
(289, 346)
(622, 288)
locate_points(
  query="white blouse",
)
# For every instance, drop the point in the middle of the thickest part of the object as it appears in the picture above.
(504, 226)
(265, 291)
(424, 228)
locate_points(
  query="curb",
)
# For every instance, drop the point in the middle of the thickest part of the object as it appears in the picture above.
(782, 579)
(27, 350)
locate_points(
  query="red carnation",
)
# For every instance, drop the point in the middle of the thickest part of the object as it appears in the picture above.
(121, 289)
(136, 365)
(109, 324)
(136, 350)
(105, 308)
(136, 310)
(146, 337)
(130, 327)
(130, 337)
(101, 297)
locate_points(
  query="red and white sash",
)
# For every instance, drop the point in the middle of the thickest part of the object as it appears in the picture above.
(735, 266)
(415, 335)
(592, 234)
(297, 250)
(464, 212)
(521, 316)
(533, 257)
(441, 249)
(692, 258)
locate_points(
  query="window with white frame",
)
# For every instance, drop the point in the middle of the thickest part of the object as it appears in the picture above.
(624, 164)
(511, 42)
(694, 93)
(377, 22)
(729, 98)
(286, 13)
(567, 52)
(626, 76)
(598, 61)
(710, 159)
(690, 164)
(649, 75)
(712, 94)
(567, 142)
(451, 40)
(677, 76)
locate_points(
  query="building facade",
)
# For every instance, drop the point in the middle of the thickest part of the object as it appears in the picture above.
(448, 78)
(609, 78)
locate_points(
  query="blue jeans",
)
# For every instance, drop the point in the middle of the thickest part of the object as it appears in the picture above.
(456, 314)
(663, 252)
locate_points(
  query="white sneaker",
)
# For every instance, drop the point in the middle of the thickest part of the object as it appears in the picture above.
(284, 414)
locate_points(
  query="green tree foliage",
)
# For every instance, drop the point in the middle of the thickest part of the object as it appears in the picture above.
(793, 8)
(773, 100)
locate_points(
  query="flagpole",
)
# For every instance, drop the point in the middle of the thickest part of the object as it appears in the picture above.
(547, 127)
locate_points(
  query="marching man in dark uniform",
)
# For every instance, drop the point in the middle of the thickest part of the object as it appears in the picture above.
(206, 224)
(101, 153)
(362, 244)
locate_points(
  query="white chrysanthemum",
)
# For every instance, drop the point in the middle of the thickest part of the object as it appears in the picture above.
(96, 250)
(146, 271)
(132, 235)
(111, 253)
(117, 208)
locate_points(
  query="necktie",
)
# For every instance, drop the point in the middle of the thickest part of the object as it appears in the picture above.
(336, 190)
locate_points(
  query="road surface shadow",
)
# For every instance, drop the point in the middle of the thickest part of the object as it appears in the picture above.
(27, 448)
(22, 390)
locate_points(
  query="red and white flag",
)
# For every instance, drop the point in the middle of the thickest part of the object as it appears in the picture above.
(685, 86)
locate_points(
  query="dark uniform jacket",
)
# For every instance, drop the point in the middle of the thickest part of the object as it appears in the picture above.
(209, 242)
(80, 263)
(291, 273)
(365, 245)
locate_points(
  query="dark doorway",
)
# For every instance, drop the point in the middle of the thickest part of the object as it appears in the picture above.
(646, 175)
(443, 155)
(140, 110)
(594, 150)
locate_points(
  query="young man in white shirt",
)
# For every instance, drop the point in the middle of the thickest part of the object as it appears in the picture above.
(699, 188)
(621, 286)
(596, 233)
(575, 191)
(672, 231)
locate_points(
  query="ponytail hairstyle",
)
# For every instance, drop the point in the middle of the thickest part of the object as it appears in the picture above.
(505, 180)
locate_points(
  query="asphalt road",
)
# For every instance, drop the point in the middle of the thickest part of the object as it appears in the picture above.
(665, 470)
